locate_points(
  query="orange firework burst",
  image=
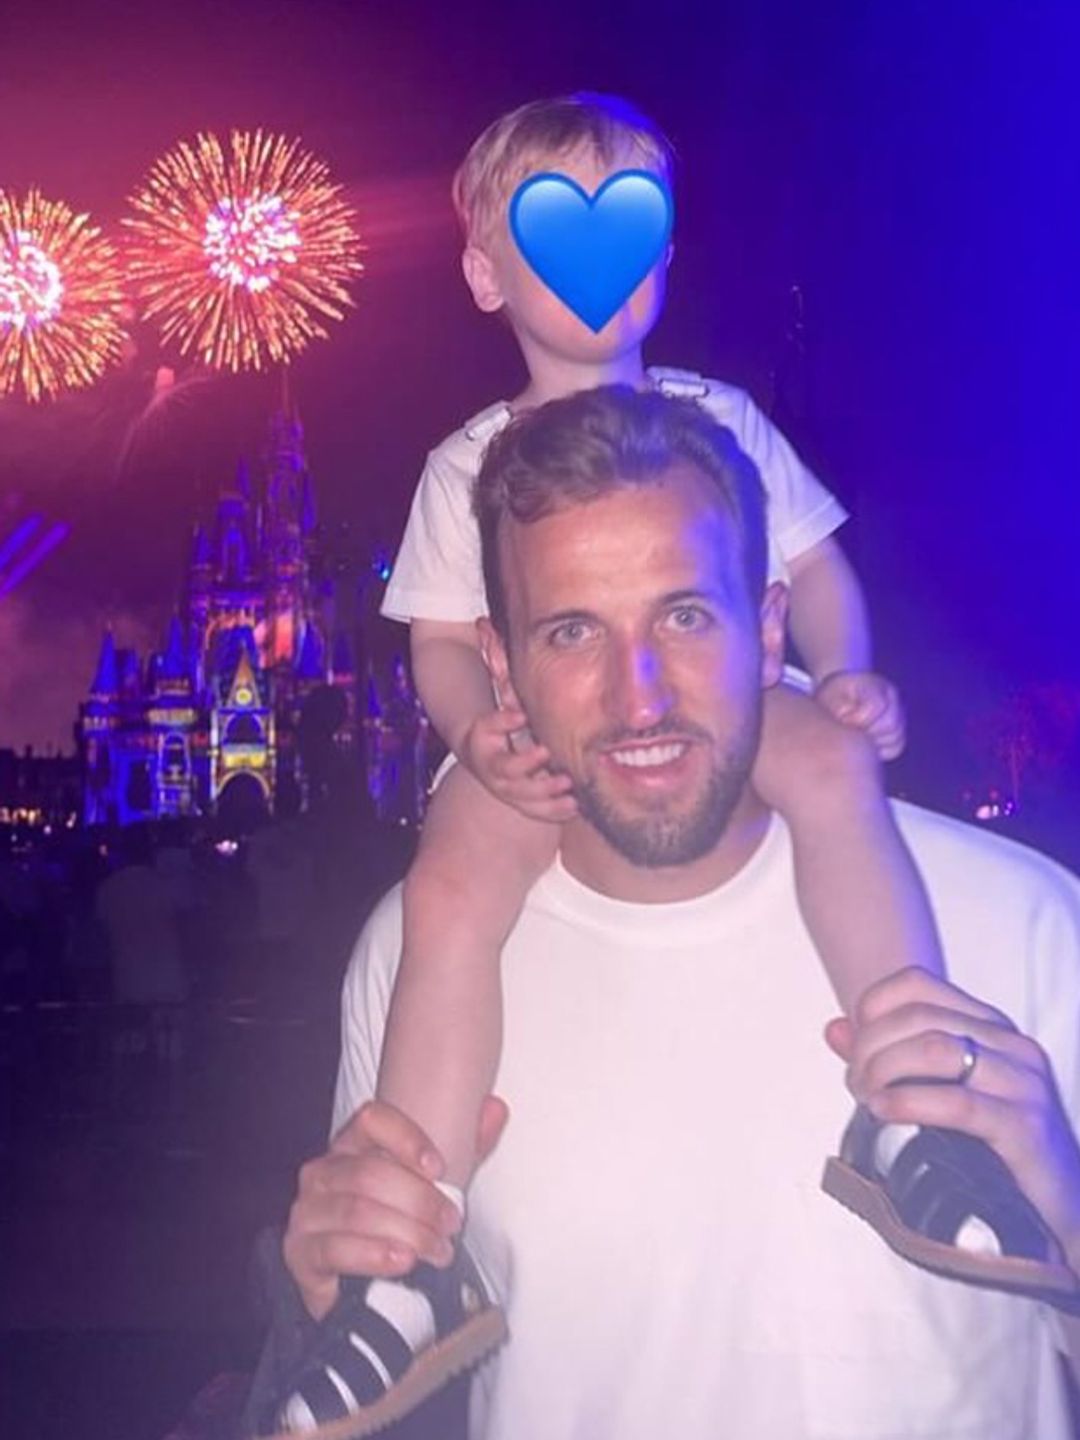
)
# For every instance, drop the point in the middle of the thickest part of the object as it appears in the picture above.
(240, 252)
(61, 300)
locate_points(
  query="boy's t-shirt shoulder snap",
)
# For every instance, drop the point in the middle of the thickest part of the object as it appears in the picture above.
(438, 575)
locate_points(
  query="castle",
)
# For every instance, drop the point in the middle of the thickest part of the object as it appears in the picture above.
(215, 719)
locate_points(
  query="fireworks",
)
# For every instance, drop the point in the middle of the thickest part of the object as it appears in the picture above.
(241, 252)
(60, 298)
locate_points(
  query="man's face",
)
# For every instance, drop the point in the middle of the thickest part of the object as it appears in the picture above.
(636, 651)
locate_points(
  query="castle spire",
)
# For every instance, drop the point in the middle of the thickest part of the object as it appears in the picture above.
(200, 548)
(309, 663)
(174, 664)
(308, 517)
(107, 676)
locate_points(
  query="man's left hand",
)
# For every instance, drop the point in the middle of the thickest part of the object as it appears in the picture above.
(912, 1026)
(869, 702)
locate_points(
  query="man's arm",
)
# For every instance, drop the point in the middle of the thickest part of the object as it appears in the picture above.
(914, 1025)
(367, 1207)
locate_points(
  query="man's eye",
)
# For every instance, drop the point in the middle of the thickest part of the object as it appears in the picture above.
(568, 634)
(687, 618)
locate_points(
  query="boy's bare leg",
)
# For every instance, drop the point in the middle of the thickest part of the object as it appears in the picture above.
(861, 896)
(477, 861)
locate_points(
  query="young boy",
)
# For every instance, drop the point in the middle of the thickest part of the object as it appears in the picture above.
(493, 823)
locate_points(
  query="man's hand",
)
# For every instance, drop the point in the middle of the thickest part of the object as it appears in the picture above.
(868, 702)
(517, 776)
(369, 1206)
(913, 1026)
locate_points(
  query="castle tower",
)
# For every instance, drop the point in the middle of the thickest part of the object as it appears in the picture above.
(242, 728)
(173, 721)
(282, 538)
(99, 718)
(199, 581)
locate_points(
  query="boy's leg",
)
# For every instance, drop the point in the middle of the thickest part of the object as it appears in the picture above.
(861, 896)
(940, 1199)
(477, 860)
(390, 1343)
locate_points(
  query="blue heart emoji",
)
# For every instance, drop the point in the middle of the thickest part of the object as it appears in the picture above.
(592, 251)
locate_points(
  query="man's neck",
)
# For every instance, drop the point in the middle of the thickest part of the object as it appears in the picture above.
(588, 857)
(552, 378)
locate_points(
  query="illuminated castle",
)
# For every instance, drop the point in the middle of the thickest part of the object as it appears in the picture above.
(214, 718)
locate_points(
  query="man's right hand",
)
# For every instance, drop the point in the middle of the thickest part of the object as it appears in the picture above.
(516, 773)
(369, 1206)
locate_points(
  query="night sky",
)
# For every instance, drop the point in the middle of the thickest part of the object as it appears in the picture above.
(911, 168)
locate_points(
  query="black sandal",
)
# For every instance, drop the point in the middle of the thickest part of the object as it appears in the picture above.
(365, 1374)
(938, 1185)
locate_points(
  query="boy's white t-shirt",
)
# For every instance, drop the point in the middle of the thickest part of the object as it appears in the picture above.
(438, 575)
(652, 1216)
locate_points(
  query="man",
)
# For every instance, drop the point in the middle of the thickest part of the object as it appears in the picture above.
(655, 1197)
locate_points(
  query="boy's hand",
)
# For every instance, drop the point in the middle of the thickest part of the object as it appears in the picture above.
(868, 702)
(516, 775)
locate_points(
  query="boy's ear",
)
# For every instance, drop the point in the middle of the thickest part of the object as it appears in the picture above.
(774, 608)
(481, 279)
(498, 664)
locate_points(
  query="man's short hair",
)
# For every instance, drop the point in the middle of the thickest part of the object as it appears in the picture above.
(536, 136)
(574, 450)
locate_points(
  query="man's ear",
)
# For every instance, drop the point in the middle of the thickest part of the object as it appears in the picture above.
(495, 658)
(774, 608)
(479, 272)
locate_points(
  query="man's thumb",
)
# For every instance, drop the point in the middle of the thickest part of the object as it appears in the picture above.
(494, 1114)
(840, 1037)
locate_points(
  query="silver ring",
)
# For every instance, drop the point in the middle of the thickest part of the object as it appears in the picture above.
(969, 1061)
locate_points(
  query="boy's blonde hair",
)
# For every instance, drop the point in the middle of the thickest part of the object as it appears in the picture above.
(544, 131)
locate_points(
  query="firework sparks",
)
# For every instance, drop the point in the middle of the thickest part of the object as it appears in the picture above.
(61, 300)
(241, 252)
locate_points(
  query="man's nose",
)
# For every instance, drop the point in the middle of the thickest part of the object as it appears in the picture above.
(640, 692)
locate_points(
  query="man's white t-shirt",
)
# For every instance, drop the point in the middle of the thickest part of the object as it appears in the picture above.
(652, 1216)
(438, 575)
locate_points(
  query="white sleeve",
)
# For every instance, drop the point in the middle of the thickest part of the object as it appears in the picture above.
(1054, 989)
(438, 574)
(1054, 1000)
(365, 1003)
(802, 512)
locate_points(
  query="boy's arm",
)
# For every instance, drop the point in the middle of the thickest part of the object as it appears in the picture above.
(831, 631)
(828, 619)
(455, 688)
(451, 678)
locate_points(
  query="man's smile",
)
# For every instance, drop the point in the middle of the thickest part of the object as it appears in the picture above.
(648, 756)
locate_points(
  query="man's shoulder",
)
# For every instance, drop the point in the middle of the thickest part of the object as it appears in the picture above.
(377, 950)
(384, 921)
(1001, 868)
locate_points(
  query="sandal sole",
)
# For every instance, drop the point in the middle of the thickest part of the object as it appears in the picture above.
(1034, 1278)
(467, 1346)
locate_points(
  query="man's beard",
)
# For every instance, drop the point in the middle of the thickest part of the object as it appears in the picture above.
(656, 840)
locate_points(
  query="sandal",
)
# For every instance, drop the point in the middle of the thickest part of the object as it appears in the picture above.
(366, 1374)
(947, 1202)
